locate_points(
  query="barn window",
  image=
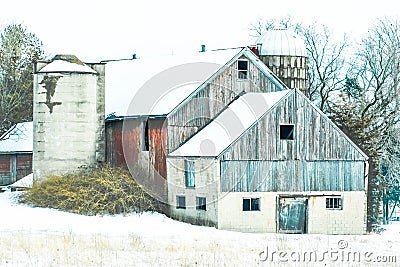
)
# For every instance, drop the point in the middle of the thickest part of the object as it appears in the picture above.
(250, 204)
(243, 68)
(145, 135)
(180, 202)
(286, 132)
(189, 173)
(334, 203)
(201, 203)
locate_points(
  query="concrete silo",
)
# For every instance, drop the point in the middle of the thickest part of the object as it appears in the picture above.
(68, 115)
(285, 54)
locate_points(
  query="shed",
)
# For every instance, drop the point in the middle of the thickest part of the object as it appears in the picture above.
(16, 153)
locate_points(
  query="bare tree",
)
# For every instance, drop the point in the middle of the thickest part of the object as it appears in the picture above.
(326, 63)
(370, 106)
(18, 50)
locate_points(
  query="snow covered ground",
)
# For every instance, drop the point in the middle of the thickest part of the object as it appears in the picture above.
(45, 237)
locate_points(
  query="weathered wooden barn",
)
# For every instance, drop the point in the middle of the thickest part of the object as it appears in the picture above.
(243, 152)
(16, 153)
(225, 137)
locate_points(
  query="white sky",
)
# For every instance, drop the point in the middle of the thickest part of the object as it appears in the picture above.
(96, 30)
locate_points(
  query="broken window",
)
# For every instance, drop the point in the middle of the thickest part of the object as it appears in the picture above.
(250, 204)
(334, 203)
(145, 135)
(201, 203)
(180, 202)
(189, 173)
(286, 132)
(243, 68)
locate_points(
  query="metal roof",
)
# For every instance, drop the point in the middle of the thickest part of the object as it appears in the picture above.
(280, 42)
(19, 138)
(155, 86)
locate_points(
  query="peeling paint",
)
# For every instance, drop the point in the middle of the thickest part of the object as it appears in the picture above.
(50, 83)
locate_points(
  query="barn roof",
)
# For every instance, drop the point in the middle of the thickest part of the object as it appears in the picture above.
(157, 85)
(19, 138)
(229, 125)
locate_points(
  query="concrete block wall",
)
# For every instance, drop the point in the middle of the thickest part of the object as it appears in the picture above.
(350, 219)
(320, 220)
(69, 134)
(232, 217)
(206, 185)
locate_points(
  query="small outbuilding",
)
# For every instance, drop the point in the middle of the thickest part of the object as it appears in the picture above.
(16, 153)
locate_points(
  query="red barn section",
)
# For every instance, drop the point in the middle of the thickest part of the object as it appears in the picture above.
(142, 140)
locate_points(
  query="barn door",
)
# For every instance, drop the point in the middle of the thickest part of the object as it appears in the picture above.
(292, 215)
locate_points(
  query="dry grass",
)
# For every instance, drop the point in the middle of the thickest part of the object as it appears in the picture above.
(92, 192)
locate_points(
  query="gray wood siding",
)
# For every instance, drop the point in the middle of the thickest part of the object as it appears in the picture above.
(315, 136)
(204, 105)
(291, 176)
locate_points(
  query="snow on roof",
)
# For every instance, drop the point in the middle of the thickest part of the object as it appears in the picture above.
(156, 85)
(18, 139)
(65, 66)
(229, 125)
(281, 42)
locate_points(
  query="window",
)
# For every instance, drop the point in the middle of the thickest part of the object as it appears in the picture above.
(201, 203)
(243, 68)
(189, 173)
(251, 204)
(145, 135)
(334, 203)
(287, 132)
(180, 202)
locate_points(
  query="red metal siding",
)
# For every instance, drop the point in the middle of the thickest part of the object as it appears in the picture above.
(124, 149)
(124, 144)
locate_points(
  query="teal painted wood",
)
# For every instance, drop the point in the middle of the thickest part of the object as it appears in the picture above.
(292, 176)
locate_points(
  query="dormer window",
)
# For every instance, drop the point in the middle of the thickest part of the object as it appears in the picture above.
(243, 68)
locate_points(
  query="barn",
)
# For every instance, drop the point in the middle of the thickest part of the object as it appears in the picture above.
(226, 137)
(16, 153)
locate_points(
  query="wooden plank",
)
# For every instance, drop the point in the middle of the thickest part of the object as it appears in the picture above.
(291, 176)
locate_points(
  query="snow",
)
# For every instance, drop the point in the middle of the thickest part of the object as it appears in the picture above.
(229, 125)
(156, 85)
(65, 66)
(26, 181)
(47, 237)
(18, 139)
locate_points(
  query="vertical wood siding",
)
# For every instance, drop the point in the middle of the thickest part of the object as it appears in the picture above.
(315, 137)
(207, 103)
(291, 176)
